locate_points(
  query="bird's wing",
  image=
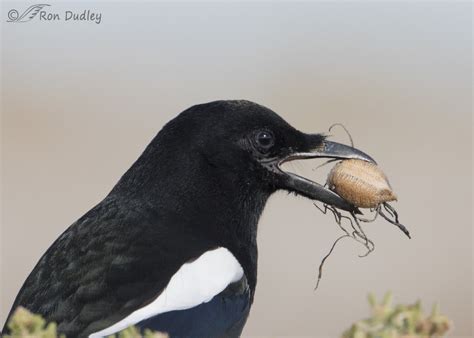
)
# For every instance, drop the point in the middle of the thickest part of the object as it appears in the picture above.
(194, 283)
(95, 276)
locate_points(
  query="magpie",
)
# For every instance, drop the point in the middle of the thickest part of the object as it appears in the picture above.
(173, 246)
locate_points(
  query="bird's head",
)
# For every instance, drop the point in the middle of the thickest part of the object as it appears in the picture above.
(206, 176)
(245, 144)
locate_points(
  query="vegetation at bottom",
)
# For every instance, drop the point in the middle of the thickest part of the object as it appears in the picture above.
(386, 321)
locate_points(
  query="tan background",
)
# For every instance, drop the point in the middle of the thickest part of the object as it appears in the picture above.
(80, 101)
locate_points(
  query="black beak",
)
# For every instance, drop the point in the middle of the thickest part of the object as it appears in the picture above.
(313, 190)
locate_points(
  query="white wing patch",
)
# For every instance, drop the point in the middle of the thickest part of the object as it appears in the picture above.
(194, 283)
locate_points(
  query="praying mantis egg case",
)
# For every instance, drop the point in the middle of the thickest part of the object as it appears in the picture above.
(361, 183)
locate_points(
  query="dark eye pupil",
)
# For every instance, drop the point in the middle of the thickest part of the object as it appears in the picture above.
(265, 139)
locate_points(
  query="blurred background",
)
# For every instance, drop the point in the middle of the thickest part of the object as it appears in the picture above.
(80, 101)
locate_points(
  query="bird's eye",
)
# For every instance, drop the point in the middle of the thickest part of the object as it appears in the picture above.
(264, 140)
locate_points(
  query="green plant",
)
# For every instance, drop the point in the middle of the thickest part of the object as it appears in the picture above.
(400, 321)
(23, 323)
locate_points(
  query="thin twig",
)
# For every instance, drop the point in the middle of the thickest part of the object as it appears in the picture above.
(345, 129)
(320, 274)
